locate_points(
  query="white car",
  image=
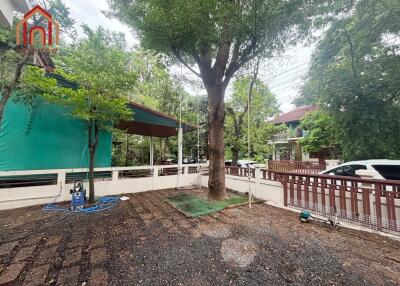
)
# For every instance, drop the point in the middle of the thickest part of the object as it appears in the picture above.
(246, 164)
(381, 169)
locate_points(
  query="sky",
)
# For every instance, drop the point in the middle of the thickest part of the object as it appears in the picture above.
(283, 75)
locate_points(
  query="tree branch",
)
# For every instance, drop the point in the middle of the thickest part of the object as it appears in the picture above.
(235, 55)
(251, 86)
(223, 52)
(18, 71)
(230, 111)
(178, 56)
(242, 58)
(393, 96)
(353, 67)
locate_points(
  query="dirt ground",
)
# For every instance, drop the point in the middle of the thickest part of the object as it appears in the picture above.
(144, 241)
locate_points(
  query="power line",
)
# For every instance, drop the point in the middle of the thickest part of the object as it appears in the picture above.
(289, 80)
(284, 77)
(286, 71)
(288, 87)
(306, 63)
(295, 76)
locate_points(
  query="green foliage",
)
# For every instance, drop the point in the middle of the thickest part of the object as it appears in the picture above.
(186, 28)
(321, 132)
(156, 88)
(354, 76)
(263, 105)
(101, 72)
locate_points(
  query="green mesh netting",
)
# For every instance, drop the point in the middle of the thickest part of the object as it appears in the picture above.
(193, 206)
(45, 137)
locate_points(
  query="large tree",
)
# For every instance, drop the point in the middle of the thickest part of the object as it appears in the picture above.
(13, 59)
(220, 37)
(355, 77)
(102, 76)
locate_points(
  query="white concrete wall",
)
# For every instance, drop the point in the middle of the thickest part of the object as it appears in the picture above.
(269, 191)
(16, 197)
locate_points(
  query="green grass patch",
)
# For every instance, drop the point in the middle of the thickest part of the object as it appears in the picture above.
(193, 206)
(236, 200)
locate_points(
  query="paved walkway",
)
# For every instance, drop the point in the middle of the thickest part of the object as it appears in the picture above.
(144, 241)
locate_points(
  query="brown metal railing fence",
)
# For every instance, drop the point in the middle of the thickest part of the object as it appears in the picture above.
(239, 171)
(297, 166)
(370, 203)
(367, 202)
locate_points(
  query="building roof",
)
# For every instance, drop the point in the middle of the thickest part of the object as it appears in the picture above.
(294, 115)
(145, 121)
(149, 122)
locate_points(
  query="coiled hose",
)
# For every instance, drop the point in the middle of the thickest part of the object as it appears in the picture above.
(102, 204)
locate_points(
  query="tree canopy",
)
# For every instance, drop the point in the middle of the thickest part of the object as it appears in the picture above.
(233, 32)
(354, 76)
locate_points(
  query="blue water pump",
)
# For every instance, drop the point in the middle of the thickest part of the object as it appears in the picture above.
(78, 193)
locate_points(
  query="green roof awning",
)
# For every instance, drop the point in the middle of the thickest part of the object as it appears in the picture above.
(149, 122)
(145, 121)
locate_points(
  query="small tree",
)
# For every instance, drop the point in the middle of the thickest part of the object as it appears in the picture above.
(220, 37)
(100, 70)
(321, 133)
(263, 104)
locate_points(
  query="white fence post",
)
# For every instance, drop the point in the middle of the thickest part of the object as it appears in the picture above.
(64, 195)
(257, 176)
(115, 175)
(155, 178)
(114, 178)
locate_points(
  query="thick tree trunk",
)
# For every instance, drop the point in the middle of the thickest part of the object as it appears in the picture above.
(216, 114)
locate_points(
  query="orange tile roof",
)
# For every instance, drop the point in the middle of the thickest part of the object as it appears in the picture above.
(294, 115)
